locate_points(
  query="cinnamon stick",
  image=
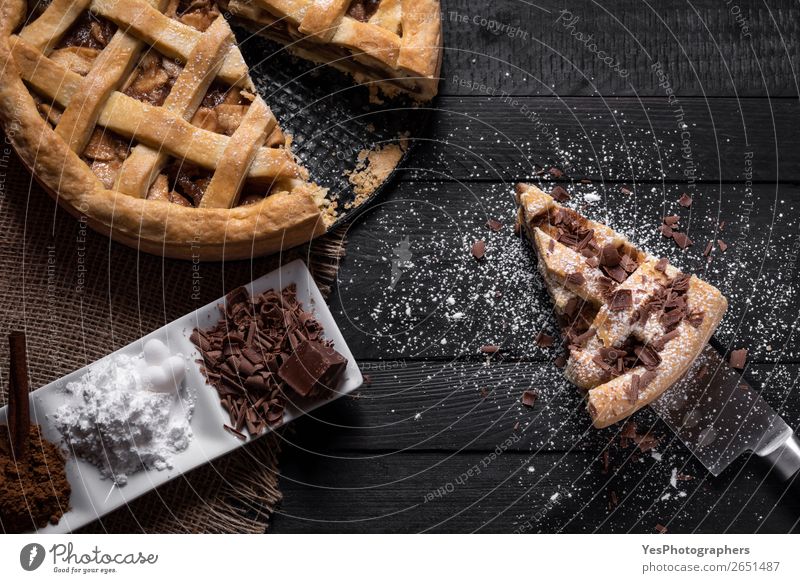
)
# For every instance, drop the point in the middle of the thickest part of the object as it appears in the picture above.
(19, 415)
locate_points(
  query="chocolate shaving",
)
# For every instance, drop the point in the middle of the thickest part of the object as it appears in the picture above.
(661, 529)
(666, 231)
(556, 172)
(620, 300)
(544, 340)
(738, 358)
(707, 250)
(723, 246)
(233, 431)
(494, 225)
(478, 249)
(661, 342)
(632, 392)
(682, 240)
(592, 262)
(628, 263)
(685, 201)
(529, 398)
(559, 194)
(490, 349)
(661, 265)
(671, 220)
(581, 339)
(609, 256)
(252, 355)
(604, 284)
(647, 356)
(696, 318)
(572, 307)
(576, 279)
(616, 273)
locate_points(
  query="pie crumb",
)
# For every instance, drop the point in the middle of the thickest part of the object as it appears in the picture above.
(372, 169)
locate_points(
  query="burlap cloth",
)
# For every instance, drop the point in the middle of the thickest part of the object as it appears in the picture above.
(79, 296)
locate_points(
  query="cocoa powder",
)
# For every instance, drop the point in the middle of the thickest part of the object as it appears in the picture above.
(33, 490)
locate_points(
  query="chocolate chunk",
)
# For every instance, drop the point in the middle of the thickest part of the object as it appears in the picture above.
(560, 361)
(529, 398)
(738, 358)
(685, 201)
(559, 194)
(479, 249)
(661, 265)
(544, 340)
(609, 256)
(621, 299)
(313, 369)
(723, 246)
(494, 225)
(576, 279)
(683, 241)
(592, 262)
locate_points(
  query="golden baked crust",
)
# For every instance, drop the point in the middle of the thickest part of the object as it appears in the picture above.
(630, 338)
(41, 85)
(395, 45)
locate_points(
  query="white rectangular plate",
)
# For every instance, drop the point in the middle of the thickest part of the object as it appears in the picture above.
(92, 496)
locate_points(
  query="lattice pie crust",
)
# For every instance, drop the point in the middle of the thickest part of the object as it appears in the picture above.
(141, 116)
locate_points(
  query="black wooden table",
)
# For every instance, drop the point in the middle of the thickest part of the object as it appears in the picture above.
(636, 102)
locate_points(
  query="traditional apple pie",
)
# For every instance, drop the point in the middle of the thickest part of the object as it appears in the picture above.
(633, 324)
(141, 116)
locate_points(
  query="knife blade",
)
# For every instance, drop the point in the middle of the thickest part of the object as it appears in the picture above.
(719, 416)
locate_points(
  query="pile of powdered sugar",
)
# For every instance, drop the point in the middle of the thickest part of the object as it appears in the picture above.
(121, 421)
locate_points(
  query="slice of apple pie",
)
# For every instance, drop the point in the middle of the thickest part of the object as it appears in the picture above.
(632, 323)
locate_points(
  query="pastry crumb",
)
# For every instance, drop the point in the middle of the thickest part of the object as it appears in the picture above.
(372, 169)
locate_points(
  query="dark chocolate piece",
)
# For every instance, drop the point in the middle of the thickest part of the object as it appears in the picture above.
(313, 369)
(478, 249)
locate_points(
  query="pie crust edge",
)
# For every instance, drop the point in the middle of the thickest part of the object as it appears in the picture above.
(281, 221)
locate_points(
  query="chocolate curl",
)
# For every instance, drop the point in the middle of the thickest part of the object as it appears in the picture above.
(19, 414)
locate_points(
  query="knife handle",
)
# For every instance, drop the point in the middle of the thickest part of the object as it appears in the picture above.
(784, 457)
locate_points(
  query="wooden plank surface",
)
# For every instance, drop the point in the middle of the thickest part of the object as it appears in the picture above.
(625, 139)
(439, 455)
(706, 48)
